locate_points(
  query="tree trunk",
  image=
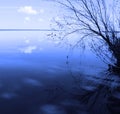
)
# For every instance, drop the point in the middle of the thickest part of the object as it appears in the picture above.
(116, 68)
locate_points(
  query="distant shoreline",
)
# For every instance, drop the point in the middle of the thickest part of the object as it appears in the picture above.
(29, 30)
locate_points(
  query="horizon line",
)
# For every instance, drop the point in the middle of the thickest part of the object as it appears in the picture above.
(29, 30)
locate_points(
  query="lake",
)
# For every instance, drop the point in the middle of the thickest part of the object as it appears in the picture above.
(39, 76)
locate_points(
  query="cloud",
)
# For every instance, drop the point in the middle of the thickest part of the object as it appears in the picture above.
(27, 19)
(41, 10)
(27, 41)
(28, 50)
(27, 10)
(40, 20)
(57, 18)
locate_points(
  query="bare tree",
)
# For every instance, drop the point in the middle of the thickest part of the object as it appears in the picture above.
(98, 22)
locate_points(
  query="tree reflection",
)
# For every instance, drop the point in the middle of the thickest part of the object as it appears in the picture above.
(104, 98)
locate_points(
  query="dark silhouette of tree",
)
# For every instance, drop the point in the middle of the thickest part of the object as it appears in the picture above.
(96, 21)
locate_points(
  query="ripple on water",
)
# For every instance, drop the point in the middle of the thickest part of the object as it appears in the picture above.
(52, 109)
(33, 82)
(8, 95)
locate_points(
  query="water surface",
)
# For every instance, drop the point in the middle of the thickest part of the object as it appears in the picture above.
(38, 77)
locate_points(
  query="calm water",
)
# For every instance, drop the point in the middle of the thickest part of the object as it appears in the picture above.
(37, 78)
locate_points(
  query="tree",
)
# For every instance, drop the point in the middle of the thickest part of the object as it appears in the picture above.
(98, 22)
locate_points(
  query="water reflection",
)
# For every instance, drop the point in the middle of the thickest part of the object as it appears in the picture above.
(44, 83)
(51, 109)
(55, 90)
(103, 97)
(32, 82)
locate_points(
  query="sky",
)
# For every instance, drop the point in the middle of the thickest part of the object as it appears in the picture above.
(26, 13)
(29, 13)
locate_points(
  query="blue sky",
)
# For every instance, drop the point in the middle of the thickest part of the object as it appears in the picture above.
(26, 13)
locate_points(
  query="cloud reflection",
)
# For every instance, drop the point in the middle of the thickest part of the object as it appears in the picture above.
(28, 49)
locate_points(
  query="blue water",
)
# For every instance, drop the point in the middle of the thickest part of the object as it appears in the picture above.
(49, 79)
